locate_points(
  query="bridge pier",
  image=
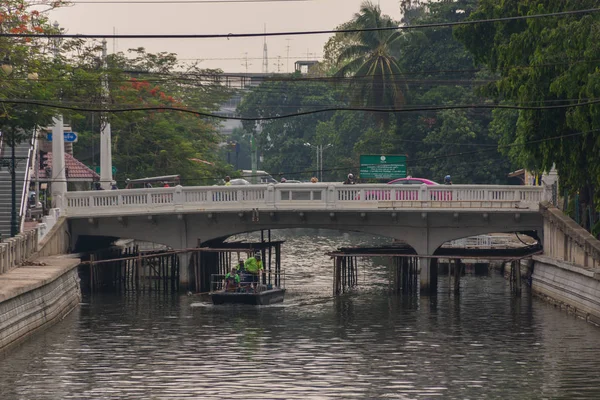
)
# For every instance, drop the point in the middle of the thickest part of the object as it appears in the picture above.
(428, 276)
(184, 270)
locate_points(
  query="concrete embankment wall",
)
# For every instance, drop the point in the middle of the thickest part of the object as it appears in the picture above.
(568, 286)
(568, 273)
(35, 297)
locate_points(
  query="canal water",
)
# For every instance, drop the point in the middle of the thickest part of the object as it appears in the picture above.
(367, 344)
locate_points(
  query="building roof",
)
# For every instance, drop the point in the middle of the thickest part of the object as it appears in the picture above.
(75, 170)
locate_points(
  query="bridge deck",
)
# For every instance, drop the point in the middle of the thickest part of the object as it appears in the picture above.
(324, 196)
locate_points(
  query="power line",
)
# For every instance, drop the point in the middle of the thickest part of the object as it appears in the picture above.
(296, 33)
(302, 113)
(535, 141)
(182, 1)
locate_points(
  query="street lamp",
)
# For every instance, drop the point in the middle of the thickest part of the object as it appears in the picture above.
(319, 148)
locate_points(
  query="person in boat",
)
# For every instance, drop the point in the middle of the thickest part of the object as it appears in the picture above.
(241, 268)
(232, 280)
(254, 268)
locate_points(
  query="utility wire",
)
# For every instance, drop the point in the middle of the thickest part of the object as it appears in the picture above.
(182, 1)
(302, 113)
(410, 162)
(296, 33)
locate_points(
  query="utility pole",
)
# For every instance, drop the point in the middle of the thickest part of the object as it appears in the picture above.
(105, 134)
(321, 165)
(278, 64)
(59, 178)
(287, 61)
(246, 63)
(253, 160)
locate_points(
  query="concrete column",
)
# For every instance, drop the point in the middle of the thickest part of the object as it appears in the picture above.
(184, 258)
(59, 179)
(427, 276)
(184, 271)
(105, 136)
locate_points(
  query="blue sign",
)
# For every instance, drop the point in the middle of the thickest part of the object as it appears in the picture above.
(70, 137)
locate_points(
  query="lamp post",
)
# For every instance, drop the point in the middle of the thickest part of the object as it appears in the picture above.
(319, 148)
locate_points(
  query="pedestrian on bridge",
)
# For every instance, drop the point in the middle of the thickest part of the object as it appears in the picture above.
(350, 180)
(448, 180)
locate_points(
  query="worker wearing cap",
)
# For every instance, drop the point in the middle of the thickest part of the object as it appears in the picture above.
(254, 267)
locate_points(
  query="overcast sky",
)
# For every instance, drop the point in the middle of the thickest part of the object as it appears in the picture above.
(218, 18)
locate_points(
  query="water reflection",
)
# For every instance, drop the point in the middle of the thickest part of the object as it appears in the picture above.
(365, 344)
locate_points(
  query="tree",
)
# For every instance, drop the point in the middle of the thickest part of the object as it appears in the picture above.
(370, 59)
(151, 143)
(282, 141)
(439, 71)
(24, 61)
(542, 62)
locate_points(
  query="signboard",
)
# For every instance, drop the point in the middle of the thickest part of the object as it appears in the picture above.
(382, 166)
(97, 169)
(70, 137)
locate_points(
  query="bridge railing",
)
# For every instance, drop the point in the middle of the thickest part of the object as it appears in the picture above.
(307, 196)
(15, 250)
(565, 240)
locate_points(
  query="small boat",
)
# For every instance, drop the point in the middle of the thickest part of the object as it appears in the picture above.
(271, 291)
(259, 298)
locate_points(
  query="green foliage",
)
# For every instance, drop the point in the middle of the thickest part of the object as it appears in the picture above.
(542, 62)
(371, 60)
(421, 62)
(31, 65)
(155, 142)
(282, 141)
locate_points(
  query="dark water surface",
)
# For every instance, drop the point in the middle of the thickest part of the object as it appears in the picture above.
(367, 344)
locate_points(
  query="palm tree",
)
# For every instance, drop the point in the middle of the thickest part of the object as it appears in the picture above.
(370, 60)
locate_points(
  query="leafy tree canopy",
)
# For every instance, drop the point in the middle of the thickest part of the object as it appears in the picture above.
(544, 62)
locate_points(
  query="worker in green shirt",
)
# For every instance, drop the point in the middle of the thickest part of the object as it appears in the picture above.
(232, 280)
(254, 267)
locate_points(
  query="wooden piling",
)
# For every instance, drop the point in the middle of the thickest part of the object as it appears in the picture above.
(517, 268)
(457, 272)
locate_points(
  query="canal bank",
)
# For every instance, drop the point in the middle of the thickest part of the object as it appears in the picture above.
(35, 296)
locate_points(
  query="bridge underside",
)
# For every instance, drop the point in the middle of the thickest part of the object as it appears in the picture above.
(425, 231)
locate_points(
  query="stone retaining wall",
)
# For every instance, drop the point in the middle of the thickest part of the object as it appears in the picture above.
(571, 287)
(33, 308)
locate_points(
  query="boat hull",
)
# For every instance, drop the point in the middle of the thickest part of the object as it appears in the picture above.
(258, 299)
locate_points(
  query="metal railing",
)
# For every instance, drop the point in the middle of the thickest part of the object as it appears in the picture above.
(25, 192)
(306, 196)
(268, 281)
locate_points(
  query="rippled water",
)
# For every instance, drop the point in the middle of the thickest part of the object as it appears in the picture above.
(367, 344)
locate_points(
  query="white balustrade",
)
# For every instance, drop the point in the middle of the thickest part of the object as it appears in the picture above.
(308, 195)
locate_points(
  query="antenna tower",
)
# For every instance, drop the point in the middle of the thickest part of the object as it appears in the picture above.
(287, 60)
(278, 64)
(245, 63)
(265, 66)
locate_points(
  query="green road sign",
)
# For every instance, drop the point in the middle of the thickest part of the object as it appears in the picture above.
(382, 166)
(97, 169)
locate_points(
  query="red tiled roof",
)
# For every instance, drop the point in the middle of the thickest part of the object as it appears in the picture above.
(75, 169)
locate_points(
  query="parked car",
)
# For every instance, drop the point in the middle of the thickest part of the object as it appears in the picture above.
(411, 193)
(412, 181)
(237, 182)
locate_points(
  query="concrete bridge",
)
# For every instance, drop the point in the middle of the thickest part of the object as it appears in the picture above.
(423, 216)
